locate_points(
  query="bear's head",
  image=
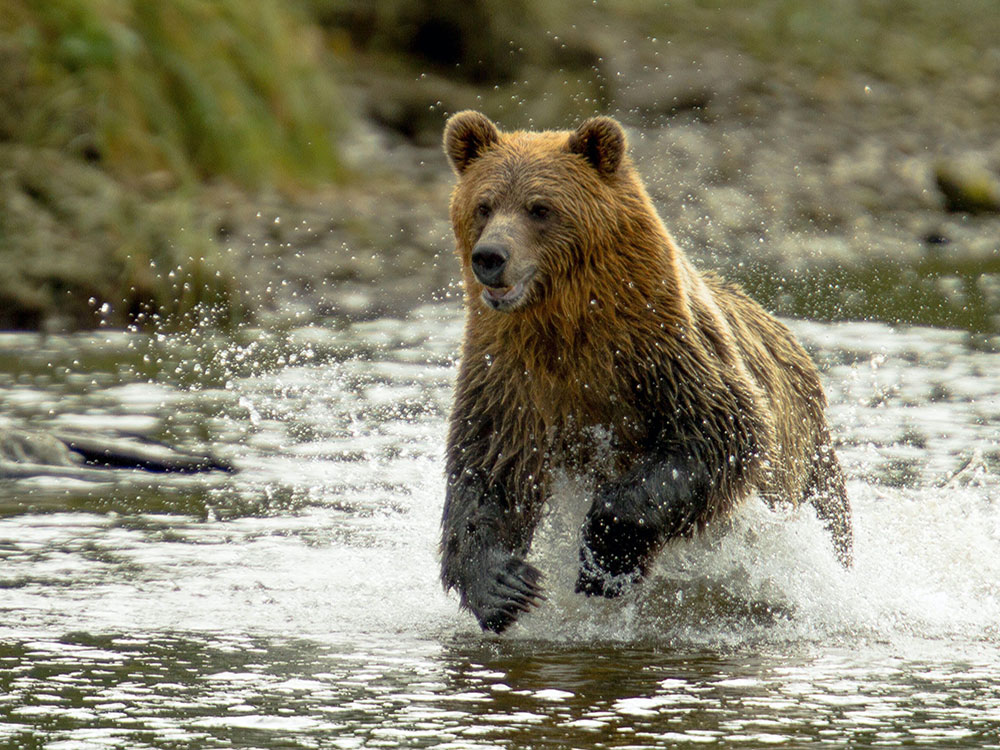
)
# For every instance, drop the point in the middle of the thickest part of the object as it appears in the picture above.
(534, 212)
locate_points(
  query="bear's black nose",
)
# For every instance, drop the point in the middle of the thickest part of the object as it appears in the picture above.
(488, 262)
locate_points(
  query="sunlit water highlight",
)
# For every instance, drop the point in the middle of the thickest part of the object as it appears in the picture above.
(296, 604)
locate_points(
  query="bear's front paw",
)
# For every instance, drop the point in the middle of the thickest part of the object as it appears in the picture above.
(509, 587)
(614, 553)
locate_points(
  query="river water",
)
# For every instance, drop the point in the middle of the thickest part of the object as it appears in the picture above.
(296, 603)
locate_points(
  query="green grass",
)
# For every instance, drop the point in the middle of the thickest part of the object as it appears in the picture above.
(194, 88)
(116, 113)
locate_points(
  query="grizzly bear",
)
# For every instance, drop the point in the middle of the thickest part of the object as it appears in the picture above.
(592, 345)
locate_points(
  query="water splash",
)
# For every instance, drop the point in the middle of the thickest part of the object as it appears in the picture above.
(333, 524)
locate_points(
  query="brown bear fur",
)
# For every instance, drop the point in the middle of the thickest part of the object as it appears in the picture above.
(595, 345)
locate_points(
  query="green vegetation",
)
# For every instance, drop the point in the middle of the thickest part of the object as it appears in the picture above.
(116, 112)
(196, 88)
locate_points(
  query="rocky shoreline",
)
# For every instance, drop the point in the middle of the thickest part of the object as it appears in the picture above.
(807, 192)
(827, 195)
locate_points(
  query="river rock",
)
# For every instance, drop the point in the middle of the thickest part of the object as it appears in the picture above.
(968, 186)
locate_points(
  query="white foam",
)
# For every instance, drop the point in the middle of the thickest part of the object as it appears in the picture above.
(925, 566)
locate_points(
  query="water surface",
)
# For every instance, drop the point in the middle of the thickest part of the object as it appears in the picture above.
(296, 603)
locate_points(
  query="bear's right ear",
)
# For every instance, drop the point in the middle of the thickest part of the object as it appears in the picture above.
(466, 136)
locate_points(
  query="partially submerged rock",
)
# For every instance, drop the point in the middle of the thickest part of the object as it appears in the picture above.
(968, 187)
(27, 453)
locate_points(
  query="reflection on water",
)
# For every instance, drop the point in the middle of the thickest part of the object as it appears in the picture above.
(223, 691)
(296, 604)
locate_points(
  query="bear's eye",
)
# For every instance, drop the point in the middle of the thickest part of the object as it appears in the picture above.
(539, 210)
(483, 210)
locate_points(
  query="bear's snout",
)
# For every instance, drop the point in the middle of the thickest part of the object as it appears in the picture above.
(489, 262)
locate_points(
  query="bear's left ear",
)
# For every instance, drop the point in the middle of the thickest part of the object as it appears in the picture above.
(466, 136)
(601, 141)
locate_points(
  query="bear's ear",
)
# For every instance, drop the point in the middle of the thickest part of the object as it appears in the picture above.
(466, 136)
(601, 141)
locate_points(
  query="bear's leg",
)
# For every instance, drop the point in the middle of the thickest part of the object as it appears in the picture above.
(659, 499)
(481, 557)
(827, 493)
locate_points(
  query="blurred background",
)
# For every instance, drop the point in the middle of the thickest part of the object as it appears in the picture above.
(236, 160)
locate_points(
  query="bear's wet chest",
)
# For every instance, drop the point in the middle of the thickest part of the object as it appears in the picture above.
(585, 425)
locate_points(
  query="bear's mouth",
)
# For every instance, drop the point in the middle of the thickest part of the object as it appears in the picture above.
(506, 297)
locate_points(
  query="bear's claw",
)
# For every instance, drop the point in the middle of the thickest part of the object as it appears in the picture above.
(514, 590)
